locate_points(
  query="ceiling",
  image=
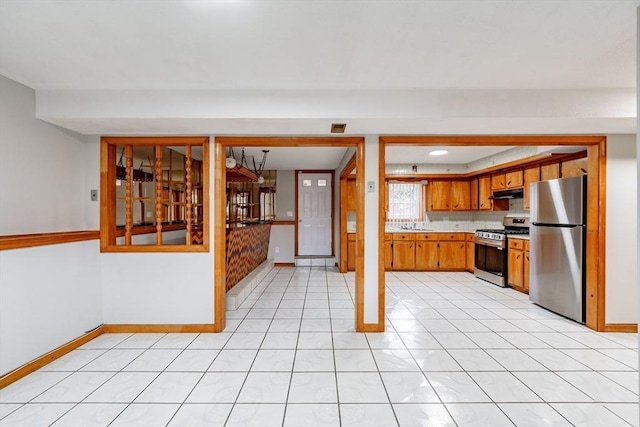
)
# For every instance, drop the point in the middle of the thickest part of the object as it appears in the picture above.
(283, 158)
(318, 45)
(282, 67)
(412, 154)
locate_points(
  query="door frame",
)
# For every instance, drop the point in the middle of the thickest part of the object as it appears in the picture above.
(596, 196)
(346, 172)
(219, 212)
(333, 205)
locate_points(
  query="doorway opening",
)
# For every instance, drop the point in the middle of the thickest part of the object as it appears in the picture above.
(596, 192)
(220, 210)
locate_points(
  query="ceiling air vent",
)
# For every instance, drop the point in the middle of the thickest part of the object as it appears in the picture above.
(338, 127)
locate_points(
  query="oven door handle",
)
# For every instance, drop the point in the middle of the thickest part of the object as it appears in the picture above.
(493, 244)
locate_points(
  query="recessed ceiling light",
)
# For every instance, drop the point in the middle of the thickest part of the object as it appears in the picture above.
(438, 152)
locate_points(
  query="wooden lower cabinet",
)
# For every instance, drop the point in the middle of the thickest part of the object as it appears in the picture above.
(471, 253)
(452, 255)
(525, 279)
(426, 255)
(516, 265)
(428, 252)
(404, 255)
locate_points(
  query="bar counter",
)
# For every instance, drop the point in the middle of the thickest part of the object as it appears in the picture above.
(247, 245)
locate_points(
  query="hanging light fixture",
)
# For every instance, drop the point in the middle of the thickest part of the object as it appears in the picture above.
(260, 169)
(230, 161)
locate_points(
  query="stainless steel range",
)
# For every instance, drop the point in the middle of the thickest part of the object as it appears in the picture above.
(491, 249)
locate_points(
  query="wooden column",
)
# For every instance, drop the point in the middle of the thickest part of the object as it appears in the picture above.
(187, 171)
(158, 176)
(128, 199)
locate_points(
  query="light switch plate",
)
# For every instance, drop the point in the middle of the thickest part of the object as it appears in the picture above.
(94, 195)
(371, 186)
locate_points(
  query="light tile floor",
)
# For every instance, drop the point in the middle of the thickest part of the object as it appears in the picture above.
(457, 352)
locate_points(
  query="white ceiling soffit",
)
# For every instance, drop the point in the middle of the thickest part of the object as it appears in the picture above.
(292, 68)
(287, 158)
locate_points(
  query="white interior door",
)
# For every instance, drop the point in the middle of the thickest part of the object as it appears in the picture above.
(314, 213)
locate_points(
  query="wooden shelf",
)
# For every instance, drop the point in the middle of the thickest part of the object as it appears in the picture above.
(241, 174)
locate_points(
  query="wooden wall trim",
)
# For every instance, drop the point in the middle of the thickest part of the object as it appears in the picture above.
(278, 222)
(621, 327)
(268, 141)
(58, 352)
(360, 236)
(219, 253)
(351, 165)
(342, 265)
(382, 188)
(372, 327)
(18, 241)
(495, 140)
(284, 264)
(49, 357)
(150, 229)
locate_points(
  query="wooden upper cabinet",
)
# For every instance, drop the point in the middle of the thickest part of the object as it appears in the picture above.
(576, 167)
(484, 192)
(460, 195)
(531, 175)
(439, 195)
(514, 179)
(351, 194)
(498, 181)
(550, 171)
(473, 186)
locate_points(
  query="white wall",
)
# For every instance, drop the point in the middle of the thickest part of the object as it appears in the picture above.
(48, 295)
(157, 288)
(42, 169)
(621, 297)
(283, 239)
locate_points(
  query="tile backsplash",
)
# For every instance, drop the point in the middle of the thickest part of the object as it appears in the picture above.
(463, 221)
(466, 221)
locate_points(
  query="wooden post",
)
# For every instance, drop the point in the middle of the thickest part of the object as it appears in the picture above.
(128, 200)
(188, 190)
(158, 173)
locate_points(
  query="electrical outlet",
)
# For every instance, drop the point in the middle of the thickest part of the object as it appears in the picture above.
(94, 195)
(277, 250)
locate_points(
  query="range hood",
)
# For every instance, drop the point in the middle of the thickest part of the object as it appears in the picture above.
(516, 193)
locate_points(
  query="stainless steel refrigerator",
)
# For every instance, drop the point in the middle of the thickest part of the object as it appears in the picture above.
(557, 246)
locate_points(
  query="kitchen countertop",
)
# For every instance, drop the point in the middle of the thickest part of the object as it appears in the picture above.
(519, 236)
(428, 231)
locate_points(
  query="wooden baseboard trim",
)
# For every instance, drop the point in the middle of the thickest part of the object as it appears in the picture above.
(372, 327)
(277, 222)
(621, 327)
(284, 264)
(49, 357)
(158, 329)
